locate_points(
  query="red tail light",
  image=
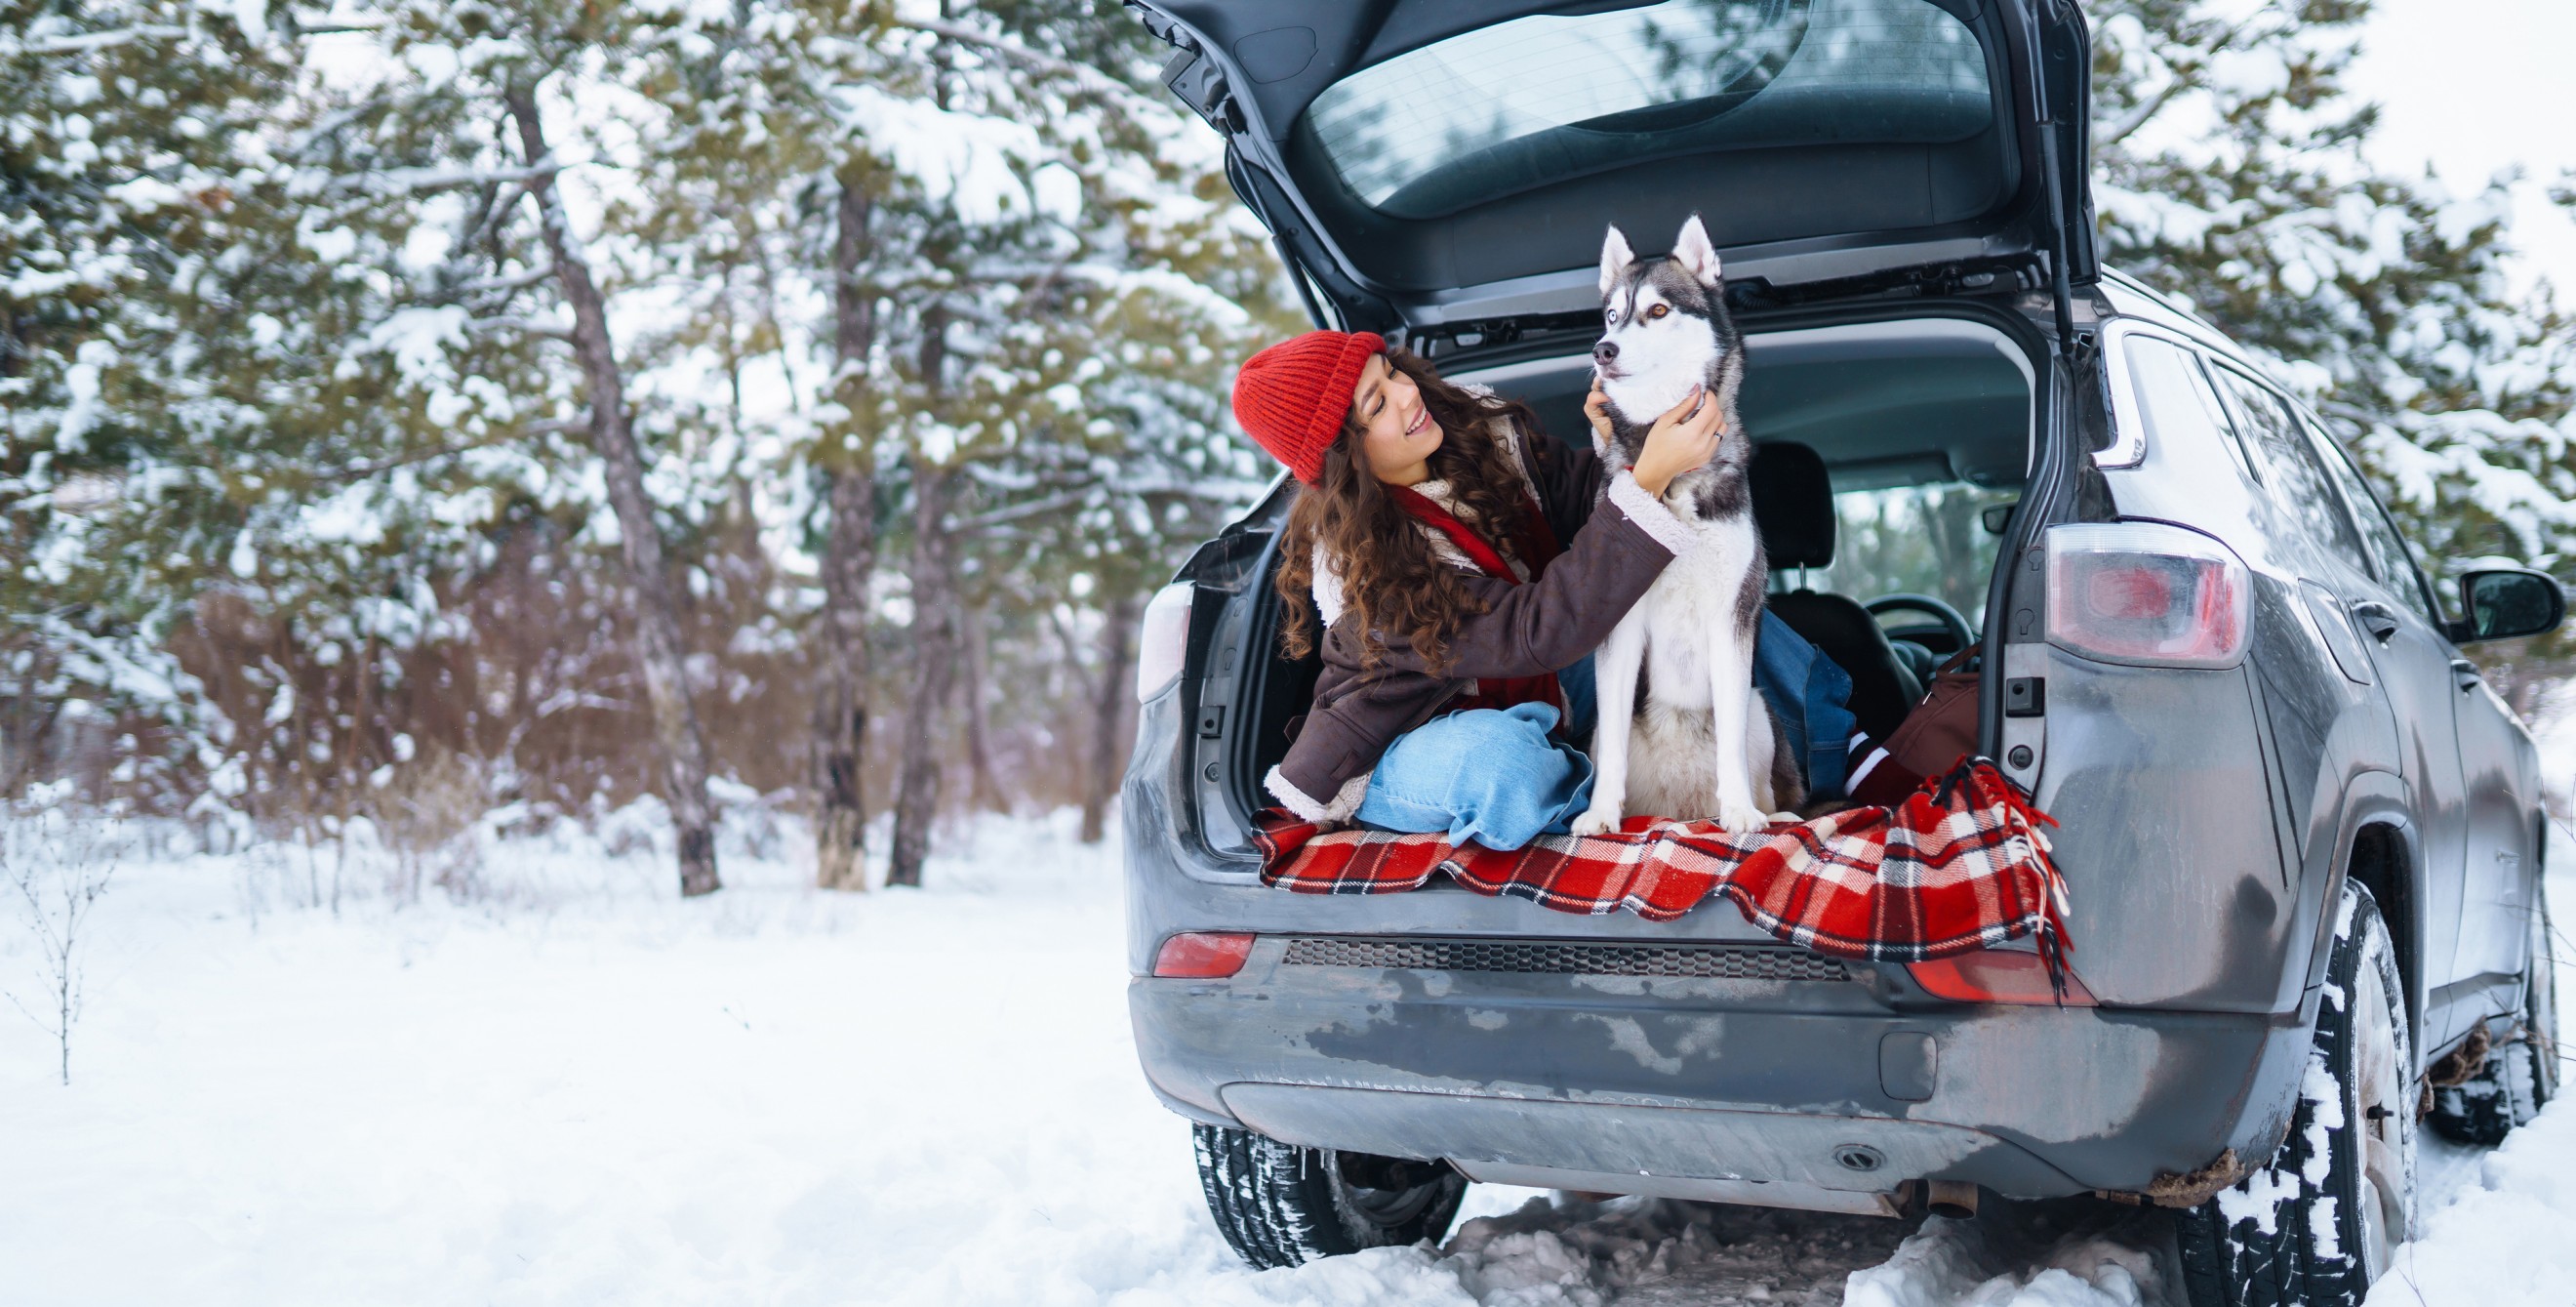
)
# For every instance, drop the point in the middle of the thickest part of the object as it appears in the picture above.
(1996, 976)
(1202, 956)
(2146, 592)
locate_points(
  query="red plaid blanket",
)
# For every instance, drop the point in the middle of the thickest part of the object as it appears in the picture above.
(1960, 865)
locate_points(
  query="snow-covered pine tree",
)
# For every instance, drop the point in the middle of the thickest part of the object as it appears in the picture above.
(445, 144)
(2230, 172)
(1060, 298)
(1167, 285)
(224, 472)
(764, 203)
(125, 126)
(1017, 270)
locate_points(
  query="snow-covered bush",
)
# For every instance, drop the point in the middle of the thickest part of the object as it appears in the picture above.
(56, 859)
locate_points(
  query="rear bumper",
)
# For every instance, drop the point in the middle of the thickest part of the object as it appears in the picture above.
(1805, 1084)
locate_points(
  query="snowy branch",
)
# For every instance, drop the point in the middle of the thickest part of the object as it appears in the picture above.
(335, 23)
(514, 281)
(88, 41)
(525, 326)
(412, 181)
(2176, 85)
(1082, 674)
(377, 467)
(2146, 110)
(1029, 509)
(1089, 78)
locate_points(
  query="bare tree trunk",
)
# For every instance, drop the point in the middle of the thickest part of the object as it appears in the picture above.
(934, 629)
(934, 641)
(682, 750)
(1111, 694)
(848, 461)
(987, 796)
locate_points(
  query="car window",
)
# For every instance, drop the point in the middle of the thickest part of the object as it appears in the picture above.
(1538, 99)
(2174, 398)
(1928, 538)
(2388, 553)
(2294, 477)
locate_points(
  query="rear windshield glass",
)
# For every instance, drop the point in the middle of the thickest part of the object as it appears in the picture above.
(1540, 99)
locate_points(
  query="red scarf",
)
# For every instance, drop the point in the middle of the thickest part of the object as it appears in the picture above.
(1537, 547)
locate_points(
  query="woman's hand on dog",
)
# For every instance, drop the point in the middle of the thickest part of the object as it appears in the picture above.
(1681, 440)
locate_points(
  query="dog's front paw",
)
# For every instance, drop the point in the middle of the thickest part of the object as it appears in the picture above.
(1596, 820)
(1742, 818)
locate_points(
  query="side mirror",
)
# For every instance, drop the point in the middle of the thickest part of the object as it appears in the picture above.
(2508, 603)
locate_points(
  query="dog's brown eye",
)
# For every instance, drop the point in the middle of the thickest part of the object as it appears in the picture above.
(1657, 312)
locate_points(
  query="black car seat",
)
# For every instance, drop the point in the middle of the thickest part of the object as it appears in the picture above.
(1793, 506)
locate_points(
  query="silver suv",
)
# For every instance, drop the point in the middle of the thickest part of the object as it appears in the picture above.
(2299, 833)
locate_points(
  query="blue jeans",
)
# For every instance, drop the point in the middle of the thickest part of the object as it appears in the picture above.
(1489, 775)
(1807, 692)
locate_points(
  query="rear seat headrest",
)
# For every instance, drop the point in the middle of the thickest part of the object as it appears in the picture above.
(1793, 505)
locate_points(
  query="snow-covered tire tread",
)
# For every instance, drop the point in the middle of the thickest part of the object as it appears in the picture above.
(1279, 1204)
(2260, 1243)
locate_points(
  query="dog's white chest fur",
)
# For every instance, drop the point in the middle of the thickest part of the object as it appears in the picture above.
(1704, 743)
(1691, 607)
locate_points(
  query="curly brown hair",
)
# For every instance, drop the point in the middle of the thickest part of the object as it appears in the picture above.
(1391, 580)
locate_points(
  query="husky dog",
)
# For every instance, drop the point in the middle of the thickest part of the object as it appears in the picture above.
(1700, 742)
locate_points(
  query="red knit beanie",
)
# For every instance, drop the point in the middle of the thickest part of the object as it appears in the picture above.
(1293, 396)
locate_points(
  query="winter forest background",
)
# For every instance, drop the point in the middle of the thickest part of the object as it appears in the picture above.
(426, 421)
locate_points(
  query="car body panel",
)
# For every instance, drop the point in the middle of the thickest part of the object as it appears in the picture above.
(2143, 765)
(1686, 1077)
(2502, 857)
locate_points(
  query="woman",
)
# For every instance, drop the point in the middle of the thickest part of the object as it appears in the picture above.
(1461, 576)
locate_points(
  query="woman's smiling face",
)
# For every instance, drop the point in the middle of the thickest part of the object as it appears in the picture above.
(1396, 431)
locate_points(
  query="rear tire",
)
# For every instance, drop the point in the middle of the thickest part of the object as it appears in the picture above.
(2318, 1223)
(1281, 1205)
(2520, 1074)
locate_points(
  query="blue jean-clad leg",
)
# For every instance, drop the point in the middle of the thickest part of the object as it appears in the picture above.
(1577, 682)
(1484, 775)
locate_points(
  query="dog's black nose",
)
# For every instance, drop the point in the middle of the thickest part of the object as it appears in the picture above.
(1605, 353)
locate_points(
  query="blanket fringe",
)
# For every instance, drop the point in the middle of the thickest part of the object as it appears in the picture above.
(1986, 781)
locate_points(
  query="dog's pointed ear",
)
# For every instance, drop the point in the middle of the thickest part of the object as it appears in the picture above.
(1693, 251)
(1615, 258)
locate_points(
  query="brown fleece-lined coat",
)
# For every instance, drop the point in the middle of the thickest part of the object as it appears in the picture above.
(1525, 630)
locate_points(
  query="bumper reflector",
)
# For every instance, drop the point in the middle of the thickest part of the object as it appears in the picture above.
(1996, 976)
(1205, 956)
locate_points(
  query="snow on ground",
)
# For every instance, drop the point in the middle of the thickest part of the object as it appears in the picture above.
(2495, 1226)
(573, 1088)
